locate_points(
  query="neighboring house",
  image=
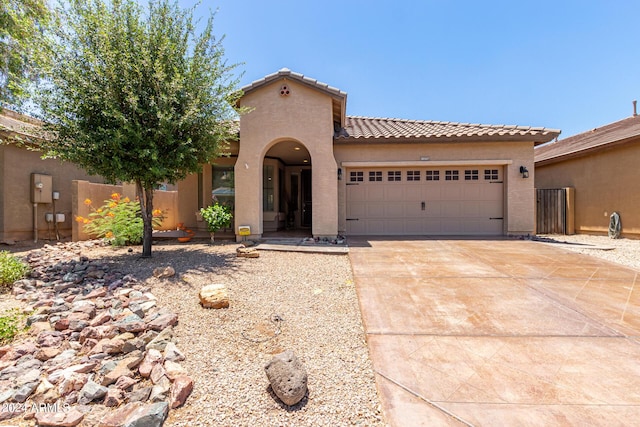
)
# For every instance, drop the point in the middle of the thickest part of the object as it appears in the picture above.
(603, 166)
(19, 161)
(301, 162)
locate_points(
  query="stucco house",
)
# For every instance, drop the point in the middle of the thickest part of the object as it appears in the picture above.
(25, 175)
(602, 165)
(302, 162)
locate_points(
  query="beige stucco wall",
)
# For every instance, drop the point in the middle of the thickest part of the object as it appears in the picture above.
(519, 192)
(16, 209)
(190, 202)
(305, 116)
(166, 201)
(604, 182)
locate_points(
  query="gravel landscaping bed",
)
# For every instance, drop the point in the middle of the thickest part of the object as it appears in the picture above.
(622, 251)
(302, 302)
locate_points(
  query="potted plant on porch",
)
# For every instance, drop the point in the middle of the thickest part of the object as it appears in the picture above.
(216, 216)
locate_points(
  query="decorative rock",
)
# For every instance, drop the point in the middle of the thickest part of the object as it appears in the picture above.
(160, 342)
(96, 293)
(91, 391)
(38, 327)
(82, 368)
(132, 345)
(78, 325)
(125, 383)
(59, 419)
(152, 358)
(247, 253)
(136, 309)
(140, 395)
(163, 272)
(82, 314)
(47, 353)
(25, 391)
(78, 315)
(61, 325)
(148, 305)
(114, 397)
(84, 307)
(172, 353)
(11, 413)
(180, 389)
(137, 414)
(71, 382)
(19, 350)
(101, 318)
(157, 373)
(173, 369)
(119, 371)
(214, 296)
(132, 323)
(163, 321)
(288, 377)
(113, 346)
(50, 338)
(160, 390)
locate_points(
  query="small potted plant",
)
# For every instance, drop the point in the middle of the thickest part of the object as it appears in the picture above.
(216, 216)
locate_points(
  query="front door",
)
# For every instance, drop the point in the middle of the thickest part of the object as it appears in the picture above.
(306, 197)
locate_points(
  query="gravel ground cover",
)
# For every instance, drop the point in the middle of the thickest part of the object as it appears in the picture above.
(622, 251)
(299, 301)
(281, 301)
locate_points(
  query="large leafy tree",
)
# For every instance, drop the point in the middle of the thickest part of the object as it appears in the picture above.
(137, 94)
(22, 25)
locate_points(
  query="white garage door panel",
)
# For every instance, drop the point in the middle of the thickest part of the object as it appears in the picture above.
(437, 207)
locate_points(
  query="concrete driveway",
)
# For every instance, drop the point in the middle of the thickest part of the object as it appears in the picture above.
(499, 333)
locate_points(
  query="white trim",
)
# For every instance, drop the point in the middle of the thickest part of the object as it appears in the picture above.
(425, 163)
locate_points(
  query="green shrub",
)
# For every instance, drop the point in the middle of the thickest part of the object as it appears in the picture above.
(216, 216)
(118, 220)
(11, 323)
(11, 269)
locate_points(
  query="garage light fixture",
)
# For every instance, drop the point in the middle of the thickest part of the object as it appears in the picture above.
(524, 172)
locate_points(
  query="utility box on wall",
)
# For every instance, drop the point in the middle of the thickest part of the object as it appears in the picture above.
(41, 188)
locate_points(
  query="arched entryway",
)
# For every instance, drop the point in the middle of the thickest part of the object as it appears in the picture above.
(286, 188)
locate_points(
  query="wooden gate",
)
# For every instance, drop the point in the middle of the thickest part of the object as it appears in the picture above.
(551, 214)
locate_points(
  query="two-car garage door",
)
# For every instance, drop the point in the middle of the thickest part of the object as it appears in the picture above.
(425, 201)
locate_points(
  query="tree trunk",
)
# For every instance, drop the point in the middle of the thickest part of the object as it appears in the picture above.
(145, 196)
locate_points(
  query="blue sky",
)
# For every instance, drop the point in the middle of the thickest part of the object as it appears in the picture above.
(570, 65)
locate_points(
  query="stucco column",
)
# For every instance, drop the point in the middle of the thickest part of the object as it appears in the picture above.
(248, 184)
(324, 177)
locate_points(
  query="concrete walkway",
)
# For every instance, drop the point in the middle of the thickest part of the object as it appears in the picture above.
(499, 333)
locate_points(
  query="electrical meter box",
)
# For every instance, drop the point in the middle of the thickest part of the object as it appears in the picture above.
(41, 188)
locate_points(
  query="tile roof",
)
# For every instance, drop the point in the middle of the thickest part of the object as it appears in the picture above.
(285, 72)
(17, 127)
(587, 142)
(368, 128)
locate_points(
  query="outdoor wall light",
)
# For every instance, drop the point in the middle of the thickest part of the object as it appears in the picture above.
(339, 174)
(524, 172)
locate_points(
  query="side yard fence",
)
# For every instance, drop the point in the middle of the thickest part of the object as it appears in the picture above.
(167, 201)
(555, 211)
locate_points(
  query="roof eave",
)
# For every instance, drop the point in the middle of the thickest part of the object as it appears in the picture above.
(586, 151)
(300, 78)
(536, 139)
